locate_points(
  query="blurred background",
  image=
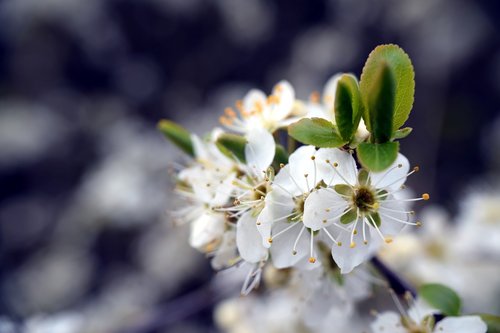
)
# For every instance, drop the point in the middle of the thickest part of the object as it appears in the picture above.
(85, 195)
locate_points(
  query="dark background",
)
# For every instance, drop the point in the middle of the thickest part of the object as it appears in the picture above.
(84, 187)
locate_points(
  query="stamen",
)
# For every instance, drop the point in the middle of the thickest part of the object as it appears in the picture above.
(386, 173)
(398, 220)
(353, 232)
(406, 176)
(330, 236)
(312, 260)
(294, 249)
(314, 97)
(335, 165)
(282, 232)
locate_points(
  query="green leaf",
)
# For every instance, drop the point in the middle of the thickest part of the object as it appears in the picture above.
(381, 104)
(402, 133)
(363, 177)
(316, 131)
(401, 66)
(232, 145)
(348, 106)
(177, 134)
(492, 321)
(377, 156)
(441, 297)
(348, 217)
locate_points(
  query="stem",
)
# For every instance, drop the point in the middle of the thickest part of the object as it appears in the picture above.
(396, 282)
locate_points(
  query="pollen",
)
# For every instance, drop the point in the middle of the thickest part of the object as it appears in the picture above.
(312, 260)
(230, 112)
(426, 196)
(314, 97)
(353, 245)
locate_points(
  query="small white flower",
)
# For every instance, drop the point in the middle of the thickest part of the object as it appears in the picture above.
(419, 318)
(257, 110)
(361, 205)
(281, 221)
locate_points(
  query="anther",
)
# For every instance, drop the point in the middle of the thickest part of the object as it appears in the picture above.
(335, 164)
(294, 252)
(339, 243)
(426, 196)
(365, 242)
(270, 240)
(258, 223)
(418, 224)
(324, 221)
(388, 240)
(312, 260)
(314, 97)
(353, 245)
(236, 202)
(282, 165)
(355, 231)
(327, 161)
(313, 157)
(400, 165)
(416, 168)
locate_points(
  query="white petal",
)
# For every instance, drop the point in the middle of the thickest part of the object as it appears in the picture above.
(226, 253)
(259, 150)
(330, 91)
(278, 205)
(388, 322)
(315, 110)
(248, 239)
(466, 324)
(284, 182)
(346, 170)
(323, 204)
(223, 191)
(348, 258)
(390, 212)
(282, 246)
(200, 151)
(252, 99)
(286, 95)
(392, 178)
(301, 164)
(206, 229)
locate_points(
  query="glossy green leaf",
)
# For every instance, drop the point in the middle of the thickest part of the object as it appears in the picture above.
(402, 133)
(232, 145)
(492, 321)
(318, 132)
(377, 156)
(401, 65)
(348, 106)
(380, 105)
(177, 134)
(441, 297)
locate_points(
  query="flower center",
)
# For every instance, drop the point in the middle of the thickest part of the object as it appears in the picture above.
(364, 199)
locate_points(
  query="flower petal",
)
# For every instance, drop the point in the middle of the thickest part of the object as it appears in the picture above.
(278, 205)
(465, 324)
(392, 178)
(259, 150)
(248, 239)
(323, 208)
(206, 229)
(388, 322)
(347, 257)
(391, 213)
(282, 246)
(302, 169)
(286, 97)
(330, 91)
(345, 172)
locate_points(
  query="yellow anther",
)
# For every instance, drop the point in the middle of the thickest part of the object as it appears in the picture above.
(312, 260)
(418, 224)
(335, 164)
(314, 97)
(236, 202)
(313, 157)
(327, 161)
(324, 221)
(353, 245)
(355, 231)
(327, 210)
(365, 242)
(239, 105)
(376, 205)
(294, 252)
(426, 196)
(258, 223)
(273, 99)
(416, 168)
(230, 112)
(339, 243)
(270, 240)
(388, 240)
(282, 165)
